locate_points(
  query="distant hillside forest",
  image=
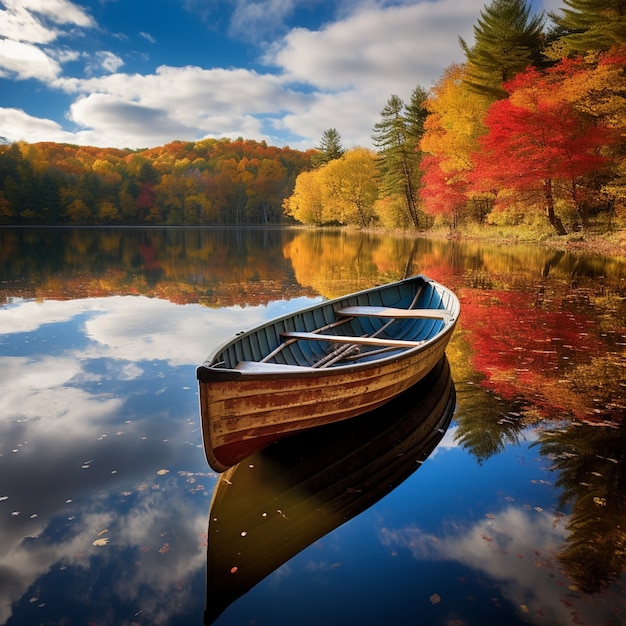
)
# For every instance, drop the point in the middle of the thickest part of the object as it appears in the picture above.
(529, 131)
(213, 181)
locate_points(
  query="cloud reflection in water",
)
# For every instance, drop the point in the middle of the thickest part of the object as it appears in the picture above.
(99, 397)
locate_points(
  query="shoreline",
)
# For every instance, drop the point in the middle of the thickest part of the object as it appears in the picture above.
(588, 243)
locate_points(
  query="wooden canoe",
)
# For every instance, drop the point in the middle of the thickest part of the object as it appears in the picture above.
(277, 502)
(322, 364)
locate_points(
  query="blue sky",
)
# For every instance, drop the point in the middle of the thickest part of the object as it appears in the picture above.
(141, 73)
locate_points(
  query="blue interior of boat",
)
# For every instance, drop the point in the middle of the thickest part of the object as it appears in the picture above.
(268, 344)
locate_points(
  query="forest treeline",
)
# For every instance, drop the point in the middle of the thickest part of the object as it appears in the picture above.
(213, 181)
(529, 130)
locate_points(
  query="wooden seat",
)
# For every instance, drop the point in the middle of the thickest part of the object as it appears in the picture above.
(383, 311)
(368, 341)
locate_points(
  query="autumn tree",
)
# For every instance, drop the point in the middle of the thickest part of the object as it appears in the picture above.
(507, 39)
(351, 188)
(538, 142)
(595, 87)
(343, 192)
(306, 203)
(451, 131)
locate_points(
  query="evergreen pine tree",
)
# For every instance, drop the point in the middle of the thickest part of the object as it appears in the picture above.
(506, 40)
(590, 25)
(330, 148)
(397, 137)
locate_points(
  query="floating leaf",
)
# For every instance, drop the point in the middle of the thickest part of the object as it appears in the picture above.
(435, 598)
(162, 472)
(103, 532)
(101, 542)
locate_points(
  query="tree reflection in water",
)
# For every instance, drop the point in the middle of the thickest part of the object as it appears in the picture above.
(589, 459)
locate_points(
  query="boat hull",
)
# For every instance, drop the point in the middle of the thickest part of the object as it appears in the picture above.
(242, 412)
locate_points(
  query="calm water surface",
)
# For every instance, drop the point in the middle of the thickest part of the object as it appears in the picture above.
(509, 505)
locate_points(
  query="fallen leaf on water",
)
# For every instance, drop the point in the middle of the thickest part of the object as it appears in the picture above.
(101, 542)
(103, 532)
(162, 472)
(435, 598)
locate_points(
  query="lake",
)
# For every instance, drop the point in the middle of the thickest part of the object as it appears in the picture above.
(512, 509)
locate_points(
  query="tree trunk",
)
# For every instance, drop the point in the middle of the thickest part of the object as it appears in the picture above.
(556, 222)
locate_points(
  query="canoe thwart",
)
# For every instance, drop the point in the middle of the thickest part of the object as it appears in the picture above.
(383, 311)
(369, 341)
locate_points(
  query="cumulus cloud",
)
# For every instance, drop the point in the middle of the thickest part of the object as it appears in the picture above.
(23, 61)
(105, 61)
(377, 48)
(337, 76)
(177, 103)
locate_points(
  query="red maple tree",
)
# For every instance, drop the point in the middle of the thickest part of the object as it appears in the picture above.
(538, 142)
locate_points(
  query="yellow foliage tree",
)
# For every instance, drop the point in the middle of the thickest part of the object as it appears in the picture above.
(306, 203)
(351, 188)
(344, 191)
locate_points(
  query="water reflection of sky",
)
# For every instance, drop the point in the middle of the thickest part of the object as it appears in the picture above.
(105, 492)
(103, 479)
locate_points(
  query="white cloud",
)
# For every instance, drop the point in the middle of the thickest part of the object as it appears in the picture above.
(390, 49)
(24, 61)
(176, 103)
(18, 24)
(28, 20)
(106, 61)
(339, 76)
(57, 11)
(147, 36)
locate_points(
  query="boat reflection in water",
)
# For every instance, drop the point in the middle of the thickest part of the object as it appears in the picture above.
(271, 506)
